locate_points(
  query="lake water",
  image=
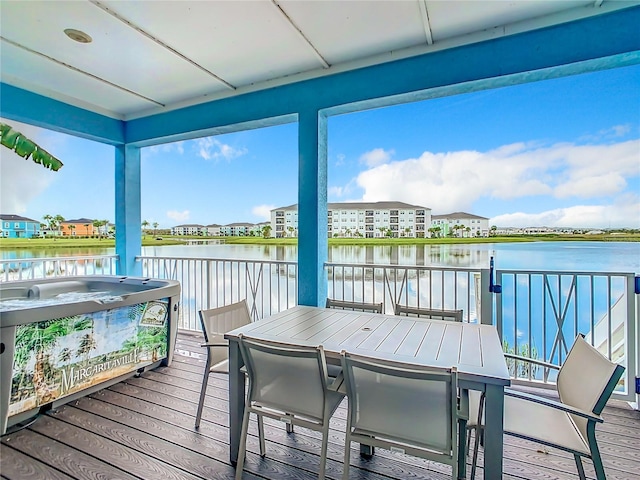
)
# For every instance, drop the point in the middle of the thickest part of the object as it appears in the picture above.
(562, 256)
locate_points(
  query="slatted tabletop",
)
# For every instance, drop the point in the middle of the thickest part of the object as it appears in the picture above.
(474, 349)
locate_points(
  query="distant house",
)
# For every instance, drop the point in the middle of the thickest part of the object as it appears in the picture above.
(15, 226)
(212, 230)
(460, 224)
(238, 229)
(188, 229)
(80, 227)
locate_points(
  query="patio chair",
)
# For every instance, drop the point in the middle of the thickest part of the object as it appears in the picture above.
(405, 408)
(436, 313)
(354, 306)
(290, 384)
(585, 383)
(215, 323)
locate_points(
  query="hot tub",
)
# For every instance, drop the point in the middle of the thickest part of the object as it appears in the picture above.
(63, 338)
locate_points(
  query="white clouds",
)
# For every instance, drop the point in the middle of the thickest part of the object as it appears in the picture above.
(179, 216)
(177, 147)
(211, 148)
(376, 157)
(453, 181)
(335, 191)
(263, 211)
(22, 181)
(621, 215)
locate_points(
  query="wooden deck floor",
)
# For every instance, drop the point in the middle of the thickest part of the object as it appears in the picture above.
(143, 428)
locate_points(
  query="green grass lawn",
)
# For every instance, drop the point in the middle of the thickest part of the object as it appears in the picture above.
(46, 243)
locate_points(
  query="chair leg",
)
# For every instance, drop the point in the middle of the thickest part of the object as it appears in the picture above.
(597, 462)
(203, 391)
(462, 456)
(479, 440)
(263, 450)
(347, 455)
(288, 425)
(323, 451)
(578, 460)
(242, 449)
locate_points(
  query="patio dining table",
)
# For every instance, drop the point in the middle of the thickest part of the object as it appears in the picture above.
(475, 350)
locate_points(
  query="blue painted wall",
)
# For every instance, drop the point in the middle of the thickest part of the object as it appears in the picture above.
(604, 41)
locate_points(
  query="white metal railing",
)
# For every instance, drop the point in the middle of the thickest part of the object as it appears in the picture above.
(537, 313)
(267, 286)
(428, 287)
(12, 270)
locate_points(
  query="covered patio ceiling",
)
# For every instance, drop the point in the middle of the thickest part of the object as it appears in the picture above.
(160, 71)
(149, 57)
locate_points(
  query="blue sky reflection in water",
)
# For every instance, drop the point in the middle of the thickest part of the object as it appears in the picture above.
(561, 256)
(562, 152)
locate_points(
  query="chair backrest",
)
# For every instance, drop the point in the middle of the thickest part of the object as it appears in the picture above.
(586, 380)
(355, 306)
(438, 314)
(286, 377)
(404, 403)
(217, 321)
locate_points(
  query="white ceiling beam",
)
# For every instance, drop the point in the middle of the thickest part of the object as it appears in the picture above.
(424, 14)
(290, 22)
(161, 43)
(78, 70)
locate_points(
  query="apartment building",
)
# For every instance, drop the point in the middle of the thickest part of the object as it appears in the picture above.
(459, 224)
(238, 229)
(188, 229)
(360, 219)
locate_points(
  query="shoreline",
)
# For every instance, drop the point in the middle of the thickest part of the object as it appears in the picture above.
(61, 243)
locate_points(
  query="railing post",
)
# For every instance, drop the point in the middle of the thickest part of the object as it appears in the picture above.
(636, 343)
(486, 298)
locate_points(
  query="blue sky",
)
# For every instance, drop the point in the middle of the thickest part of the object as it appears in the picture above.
(562, 152)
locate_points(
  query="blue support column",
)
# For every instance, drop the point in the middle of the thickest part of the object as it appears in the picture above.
(312, 208)
(128, 217)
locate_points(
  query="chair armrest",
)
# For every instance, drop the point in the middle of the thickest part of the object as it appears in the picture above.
(336, 383)
(531, 360)
(553, 404)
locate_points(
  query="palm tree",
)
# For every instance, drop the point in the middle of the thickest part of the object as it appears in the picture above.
(58, 219)
(87, 343)
(71, 229)
(26, 148)
(145, 225)
(86, 229)
(266, 231)
(155, 228)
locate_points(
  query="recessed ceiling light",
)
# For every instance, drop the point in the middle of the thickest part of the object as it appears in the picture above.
(78, 35)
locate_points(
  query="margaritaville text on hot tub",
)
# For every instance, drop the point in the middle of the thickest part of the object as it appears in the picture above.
(73, 374)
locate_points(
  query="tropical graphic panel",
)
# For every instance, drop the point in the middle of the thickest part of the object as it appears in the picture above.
(55, 358)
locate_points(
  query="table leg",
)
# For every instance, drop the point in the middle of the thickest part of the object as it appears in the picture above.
(493, 431)
(236, 399)
(367, 451)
